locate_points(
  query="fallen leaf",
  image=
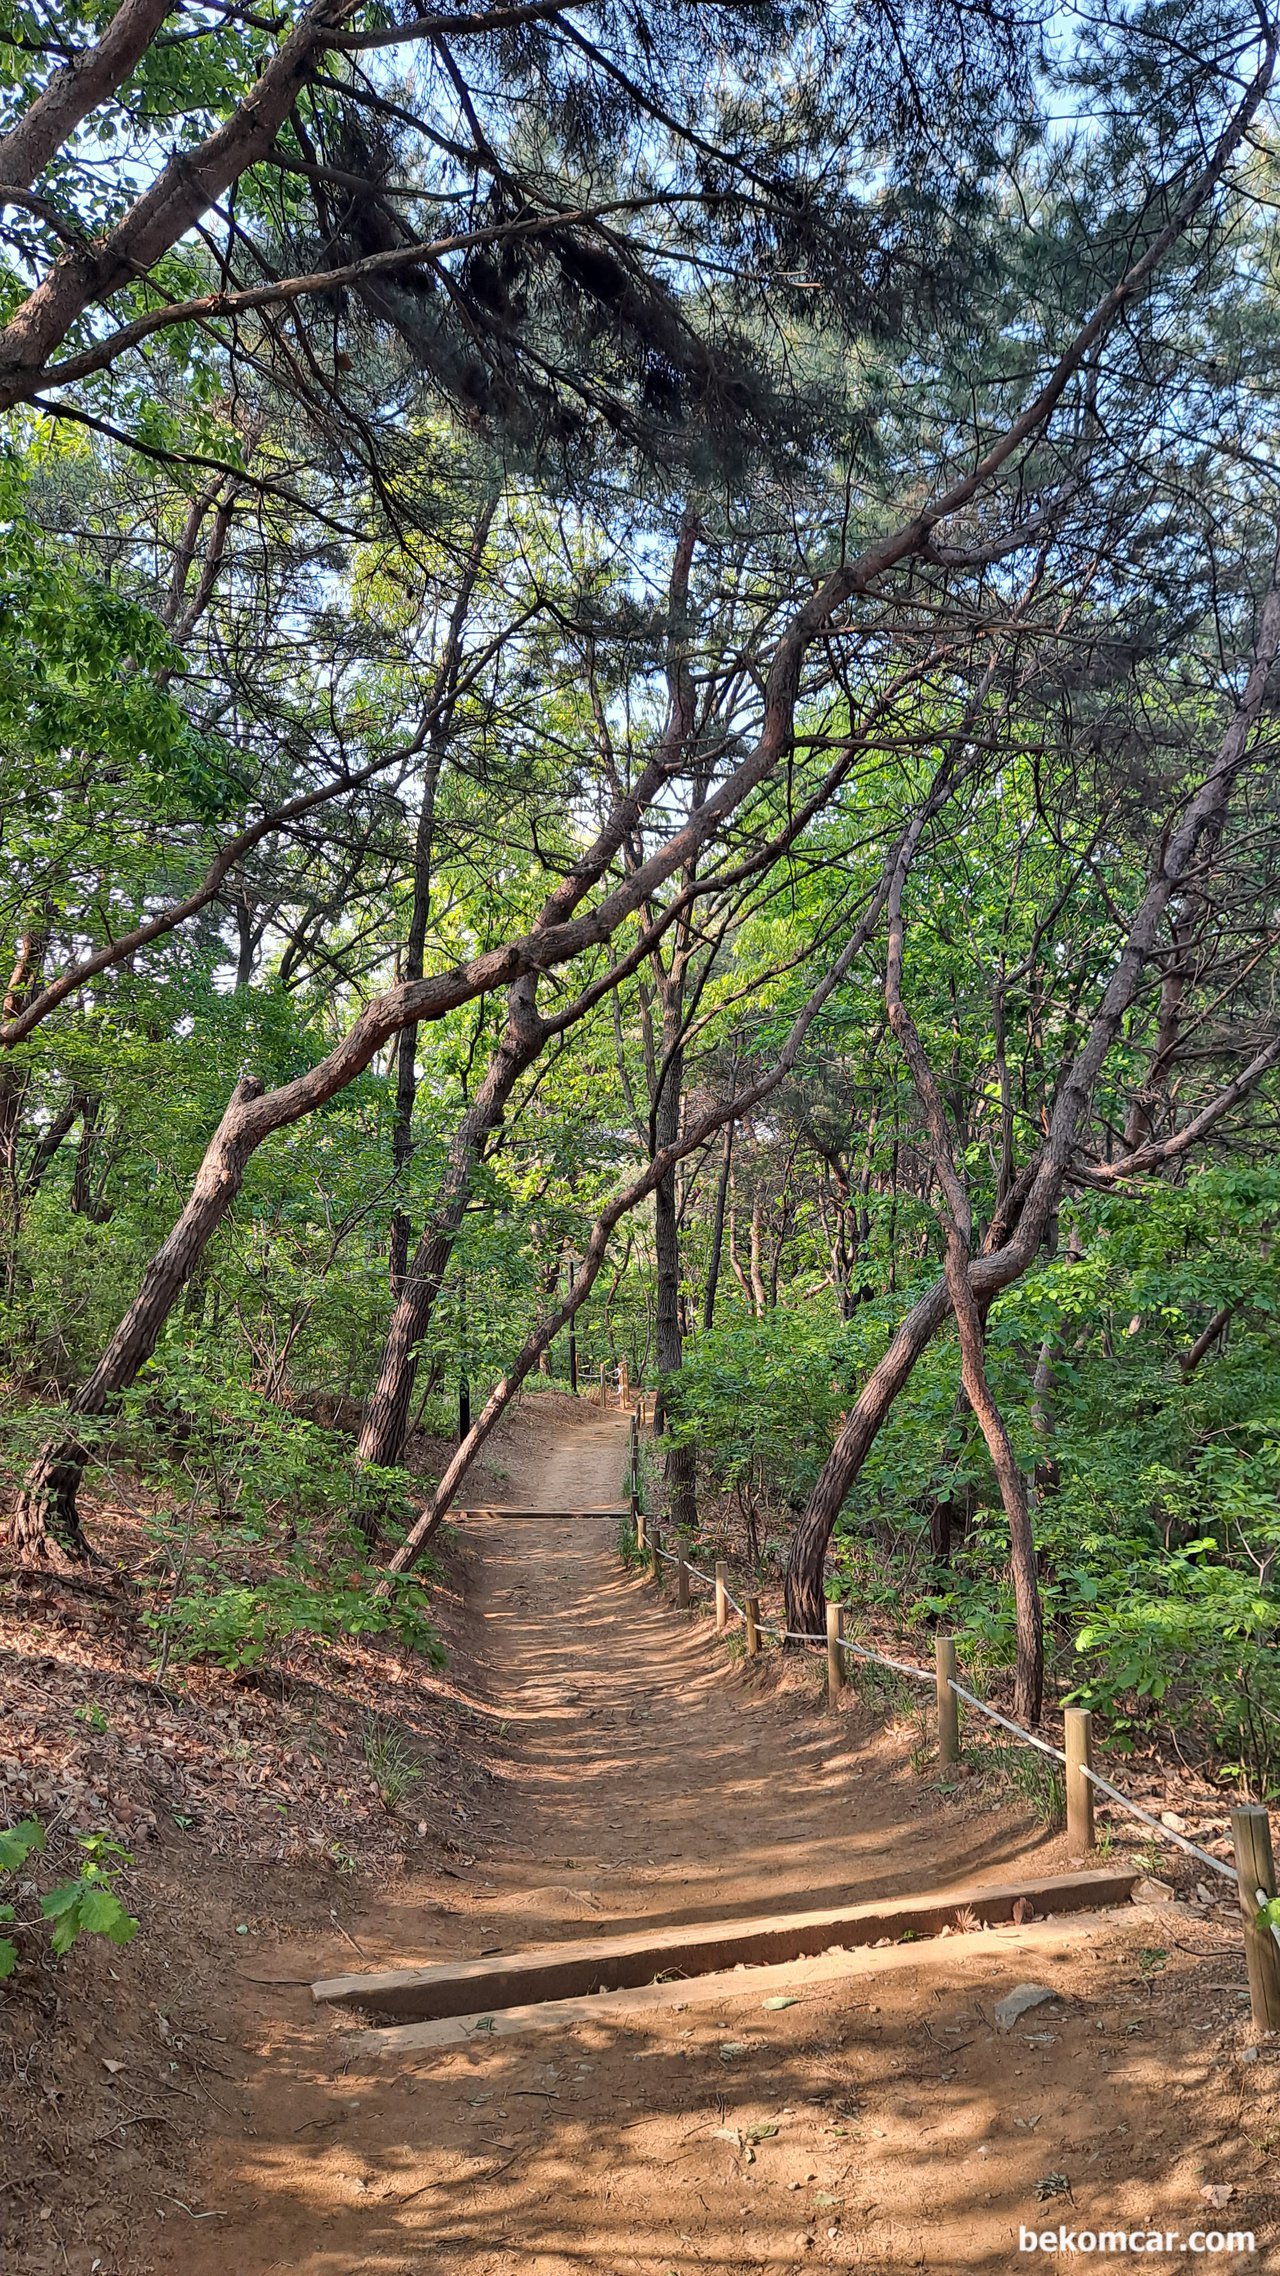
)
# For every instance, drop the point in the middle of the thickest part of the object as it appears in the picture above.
(1053, 2185)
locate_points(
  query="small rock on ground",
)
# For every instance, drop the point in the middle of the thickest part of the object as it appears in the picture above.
(1019, 2001)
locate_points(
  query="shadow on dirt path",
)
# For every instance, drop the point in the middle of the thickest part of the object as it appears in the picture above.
(642, 1776)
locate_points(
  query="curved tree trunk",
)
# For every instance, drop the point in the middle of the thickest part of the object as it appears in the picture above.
(444, 702)
(1022, 1224)
(1029, 1676)
(386, 1422)
(680, 1466)
(805, 1593)
(407, 1042)
(45, 1522)
(717, 1234)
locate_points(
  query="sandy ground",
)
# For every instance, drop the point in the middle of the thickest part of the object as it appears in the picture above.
(641, 1775)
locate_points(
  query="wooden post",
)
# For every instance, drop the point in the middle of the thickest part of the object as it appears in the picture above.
(655, 1562)
(1078, 1725)
(642, 1524)
(682, 1575)
(1251, 1833)
(835, 1655)
(624, 1383)
(753, 1627)
(604, 1383)
(722, 1596)
(944, 1653)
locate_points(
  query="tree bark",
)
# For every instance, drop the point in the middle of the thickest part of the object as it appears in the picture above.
(45, 1522)
(87, 80)
(407, 1041)
(182, 192)
(669, 1342)
(386, 1419)
(805, 1593)
(717, 1233)
(1029, 1617)
(443, 705)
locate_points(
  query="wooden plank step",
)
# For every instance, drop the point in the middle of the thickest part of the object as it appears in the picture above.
(593, 1509)
(797, 1979)
(620, 1963)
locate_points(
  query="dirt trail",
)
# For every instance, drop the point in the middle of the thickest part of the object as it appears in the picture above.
(665, 1790)
(639, 1776)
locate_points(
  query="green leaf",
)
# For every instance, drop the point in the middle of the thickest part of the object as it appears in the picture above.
(18, 1842)
(103, 1915)
(66, 1929)
(61, 1899)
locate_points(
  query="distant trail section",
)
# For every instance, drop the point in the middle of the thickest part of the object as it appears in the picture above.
(653, 1783)
(554, 1466)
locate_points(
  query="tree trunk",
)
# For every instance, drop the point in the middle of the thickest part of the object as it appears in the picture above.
(1036, 1195)
(805, 1594)
(757, 1277)
(44, 1526)
(669, 1343)
(386, 1421)
(407, 1042)
(45, 1520)
(24, 981)
(1029, 1676)
(717, 1233)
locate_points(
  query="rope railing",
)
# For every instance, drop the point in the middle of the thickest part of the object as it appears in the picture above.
(1254, 1868)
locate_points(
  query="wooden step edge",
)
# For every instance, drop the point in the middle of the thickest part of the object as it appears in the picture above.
(585, 1969)
(798, 1980)
(493, 1509)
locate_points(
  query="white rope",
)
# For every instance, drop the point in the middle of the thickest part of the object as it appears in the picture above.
(1166, 1833)
(900, 1667)
(799, 1636)
(1055, 1753)
(1027, 1738)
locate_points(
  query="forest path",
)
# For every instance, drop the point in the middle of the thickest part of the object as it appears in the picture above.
(639, 1777)
(665, 1789)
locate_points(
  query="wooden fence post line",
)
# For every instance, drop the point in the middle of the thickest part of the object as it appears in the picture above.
(944, 1653)
(835, 1655)
(1251, 1833)
(655, 1564)
(753, 1627)
(1078, 1726)
(722, 1596)
(682, 1575)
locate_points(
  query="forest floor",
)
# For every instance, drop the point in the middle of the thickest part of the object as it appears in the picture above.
(591, 1760)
